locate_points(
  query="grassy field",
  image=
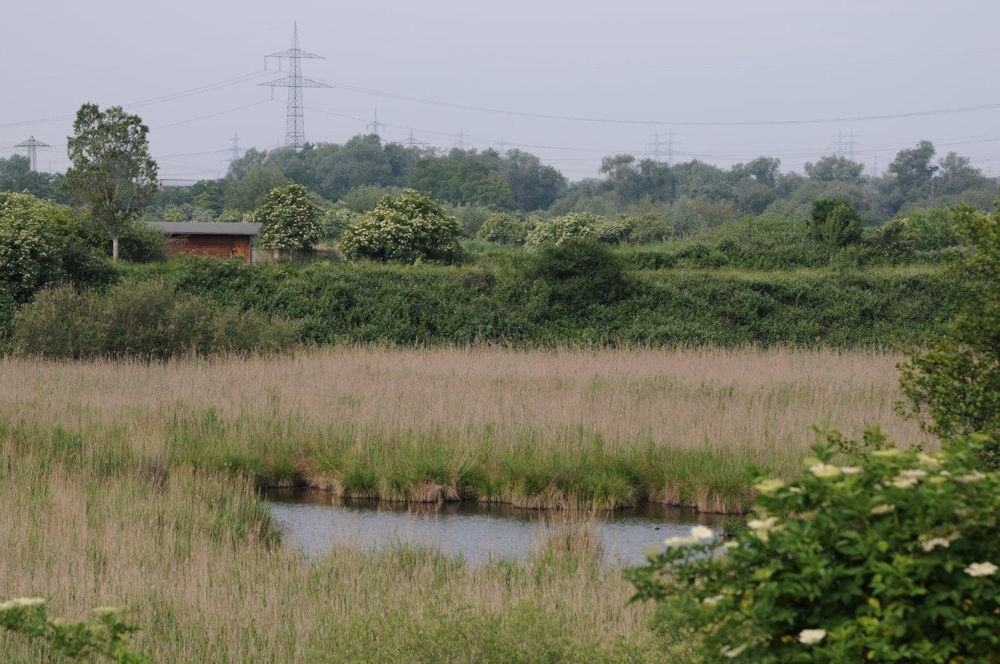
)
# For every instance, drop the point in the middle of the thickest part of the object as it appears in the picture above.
(133, 484)
(538, 429)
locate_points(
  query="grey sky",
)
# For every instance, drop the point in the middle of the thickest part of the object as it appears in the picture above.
(665, 61)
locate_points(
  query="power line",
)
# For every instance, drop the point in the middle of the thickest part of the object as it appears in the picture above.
(687, 123)
(295, 131)
(32, 145)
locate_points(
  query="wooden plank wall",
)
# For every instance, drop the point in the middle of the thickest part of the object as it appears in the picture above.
(220, 246)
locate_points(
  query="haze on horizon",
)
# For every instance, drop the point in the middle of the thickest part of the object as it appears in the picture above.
(668, 62)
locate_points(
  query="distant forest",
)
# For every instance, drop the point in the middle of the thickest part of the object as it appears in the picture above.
(673, 200)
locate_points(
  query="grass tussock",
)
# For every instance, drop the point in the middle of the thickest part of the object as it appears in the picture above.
(558, 429)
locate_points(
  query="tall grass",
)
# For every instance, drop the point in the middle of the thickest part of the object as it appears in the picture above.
(195, 558)
(532, 428)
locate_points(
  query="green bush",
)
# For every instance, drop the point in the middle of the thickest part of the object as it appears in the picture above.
(614, 231)
(503, 228)
(408, 228)
(42, 243)
(105, 635)
(147, 320)
(290, 220)
(580, 270)
(560, 229)
(890, 558)
(953, 382)
(835, 222)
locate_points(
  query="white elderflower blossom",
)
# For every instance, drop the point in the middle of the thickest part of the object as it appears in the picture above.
(812, 636)
(971, 478)
(934, 542)
(850, 470)
(824, 470)
(680, 541)
(701, 532)
(981, 569)
(882, 509)
(734, 651)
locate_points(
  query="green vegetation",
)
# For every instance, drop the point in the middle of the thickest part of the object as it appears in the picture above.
(408, 228)
(954, 383)
(145, 320)
(104, 635)
(891, 558)
(290, 221)
(112, 173)
(92, 520)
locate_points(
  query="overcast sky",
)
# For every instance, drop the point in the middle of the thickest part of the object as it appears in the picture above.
(726, 61)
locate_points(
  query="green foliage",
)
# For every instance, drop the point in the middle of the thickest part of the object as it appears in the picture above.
(146, 320)
(560, 229)
(614, 231)
(890, 559)
(42, 243)
(954, 384)
(105, 635)
(112, 172)
(503, 228)
(835, 223)
(581, 271)
(430, 305)
(290, 219)
(408, 228)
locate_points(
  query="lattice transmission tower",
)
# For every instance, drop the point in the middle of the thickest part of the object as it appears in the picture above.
(295, 132)
(32, 145)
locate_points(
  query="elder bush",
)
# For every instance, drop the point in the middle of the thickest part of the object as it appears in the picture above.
(891, 558)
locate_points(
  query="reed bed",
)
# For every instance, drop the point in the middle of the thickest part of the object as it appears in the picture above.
(547, 429)
(194, 558)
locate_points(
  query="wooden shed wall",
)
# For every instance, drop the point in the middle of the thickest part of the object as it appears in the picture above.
(220, 246)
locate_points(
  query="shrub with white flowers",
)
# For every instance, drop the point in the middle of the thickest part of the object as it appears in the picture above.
(407, 228)
(893, 558)
(558, 230)
(290, 220)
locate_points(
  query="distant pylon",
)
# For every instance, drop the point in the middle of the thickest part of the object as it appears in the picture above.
(295, 132)
(412, 142)
(461, 139)
(235, 149)
(374, 126)
(32, 145)
(658, 145)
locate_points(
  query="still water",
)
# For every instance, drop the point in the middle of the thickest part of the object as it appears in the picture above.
(315, 522)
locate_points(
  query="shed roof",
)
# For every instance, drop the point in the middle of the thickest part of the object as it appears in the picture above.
(205, 227)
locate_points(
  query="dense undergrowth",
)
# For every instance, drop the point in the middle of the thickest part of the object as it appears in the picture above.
(431, 305)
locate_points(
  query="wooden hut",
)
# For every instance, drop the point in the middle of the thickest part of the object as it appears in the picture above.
(214, 238)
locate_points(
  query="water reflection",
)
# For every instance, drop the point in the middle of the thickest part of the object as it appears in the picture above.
(315, 523)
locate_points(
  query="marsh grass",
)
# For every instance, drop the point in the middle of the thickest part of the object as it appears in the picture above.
(195, 558)
(556, 429)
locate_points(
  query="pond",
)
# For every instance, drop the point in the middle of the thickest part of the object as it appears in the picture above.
(315, 522)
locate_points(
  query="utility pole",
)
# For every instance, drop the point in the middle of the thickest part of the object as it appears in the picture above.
(373, 126)
(235, 149)
(32, 145)
(414, 142)
(461, 139)
(659, 144)
(295, 133)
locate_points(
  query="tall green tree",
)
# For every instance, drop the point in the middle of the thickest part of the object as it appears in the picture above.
(112, 173)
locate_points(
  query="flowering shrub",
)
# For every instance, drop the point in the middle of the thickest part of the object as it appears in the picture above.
(892, 558)
(503, 228)
(560, 229)
(407, 228)
(104, 635)
(290, 220)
